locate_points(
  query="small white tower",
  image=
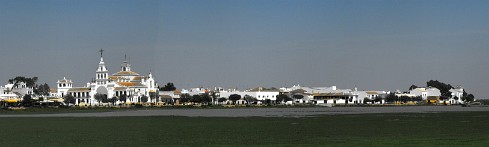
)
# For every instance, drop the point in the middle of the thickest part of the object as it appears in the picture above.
(63, 86)
(125, 66)
(102, 74)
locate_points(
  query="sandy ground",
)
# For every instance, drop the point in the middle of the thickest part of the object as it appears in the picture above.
(263, 112)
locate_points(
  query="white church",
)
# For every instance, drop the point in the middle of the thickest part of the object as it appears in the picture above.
(124, 82)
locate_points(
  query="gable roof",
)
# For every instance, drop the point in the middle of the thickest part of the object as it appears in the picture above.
(125, 73)
(298, 91)
(130, 84)
(79, 89)
(372, 92)
(261, 89)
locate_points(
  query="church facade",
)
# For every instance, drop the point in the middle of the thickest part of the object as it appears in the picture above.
(124, 83)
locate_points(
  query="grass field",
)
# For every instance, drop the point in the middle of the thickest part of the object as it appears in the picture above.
(413, 129)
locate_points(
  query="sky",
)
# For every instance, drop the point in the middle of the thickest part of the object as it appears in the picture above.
(369, 44)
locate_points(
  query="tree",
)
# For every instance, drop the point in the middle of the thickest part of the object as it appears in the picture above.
(366, 100)
(413, 87)
(417, 99)
(27, 100)
(220, 100)
(185, 97)
(30, 82)
(69, 99)
(391, 98)
(283, 97)
(205, 98)
(41, 99)
(196, 99)
(250, 99)
(377, 99)
(405, 99)
(213, 96)
(468, 98)
(444, 88)
(42, 89)
(144, 99)
(123, 98)
(298, 96)
(168, 87)
(100, 97)
(234, 97)
(446, 96)
(153, 96)
(113, 100)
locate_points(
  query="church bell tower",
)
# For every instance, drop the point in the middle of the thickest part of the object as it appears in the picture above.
(125, 66)
(102, 74)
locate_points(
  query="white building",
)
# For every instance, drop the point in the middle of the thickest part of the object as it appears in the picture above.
(125, 82)
(457, 92)
(258, 93)
(426, 92)
(20, 89)
(194, 91)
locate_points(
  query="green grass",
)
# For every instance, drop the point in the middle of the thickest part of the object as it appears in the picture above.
(410, 129)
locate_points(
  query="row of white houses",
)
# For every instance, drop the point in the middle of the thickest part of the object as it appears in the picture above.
(316, 95)
(320, 95)
(132, 85)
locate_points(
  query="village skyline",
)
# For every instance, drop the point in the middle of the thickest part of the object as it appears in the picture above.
(244, 44)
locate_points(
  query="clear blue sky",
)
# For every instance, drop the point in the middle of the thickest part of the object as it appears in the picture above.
(374, 44)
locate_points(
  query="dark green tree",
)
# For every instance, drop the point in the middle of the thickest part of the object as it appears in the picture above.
(144, 99)
(123, 98)
(113, 100)
(377, 99)
(468, 98)
(298, 96)
(390, 98)
(27, 100)
(234, 97)
(42, 89)
(213, 96)
(413, 87)
(69, 99)
(282, 97)
(417, 99)
(100, 97)
(366, 100)
(405, 99)
(444, 88)
(206, 98)
(168, 87)
(196, 98)
(220, 100)
(153, 96)
(184, 98)
(250, 99)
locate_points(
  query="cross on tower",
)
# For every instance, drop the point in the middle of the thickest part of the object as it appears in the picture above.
(101, 52)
